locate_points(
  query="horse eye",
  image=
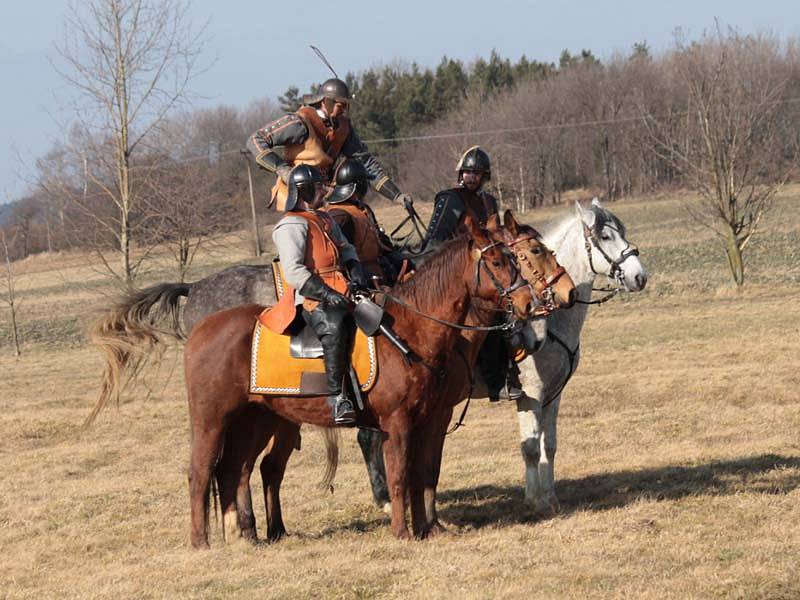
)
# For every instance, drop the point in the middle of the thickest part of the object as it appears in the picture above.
(605, 237)
(497, 263)
(537, 251)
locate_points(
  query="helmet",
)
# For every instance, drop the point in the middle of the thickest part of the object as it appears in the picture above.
(351, 179)
(303, 180)
(475, 159)
(333, 88)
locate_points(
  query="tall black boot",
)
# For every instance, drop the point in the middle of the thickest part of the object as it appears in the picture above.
(513, 384)
(334, 335)
(493, 364)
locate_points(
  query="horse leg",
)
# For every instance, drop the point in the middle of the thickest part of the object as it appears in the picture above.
(530, 418)
(244, 440)
(205, 449)
(284, 440)
(371, 444)
(547, 464)
(396, 456)
(433, 467)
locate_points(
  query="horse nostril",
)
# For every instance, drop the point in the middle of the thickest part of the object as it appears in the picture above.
(641, 281)
(529, 308)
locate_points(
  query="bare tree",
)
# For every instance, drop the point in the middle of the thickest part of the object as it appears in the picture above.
(730, 147)
(186, 210)
(130, 62)
(10, 295)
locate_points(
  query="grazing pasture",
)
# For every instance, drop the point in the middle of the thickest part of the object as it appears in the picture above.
(678, 467)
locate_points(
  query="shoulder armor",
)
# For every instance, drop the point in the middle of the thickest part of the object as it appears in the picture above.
(289, 128)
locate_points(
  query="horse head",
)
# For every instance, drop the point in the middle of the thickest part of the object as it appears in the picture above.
(609, 251)
(493, 275)
(551, 283)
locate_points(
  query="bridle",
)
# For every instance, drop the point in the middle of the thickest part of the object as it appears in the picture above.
(615, 272)
(547, 294)
(517, 281)
(504, 293)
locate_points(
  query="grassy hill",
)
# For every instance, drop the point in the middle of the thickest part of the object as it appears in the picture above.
(678, 465)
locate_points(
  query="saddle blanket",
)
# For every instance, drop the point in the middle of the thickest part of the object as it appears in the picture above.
(273, 370)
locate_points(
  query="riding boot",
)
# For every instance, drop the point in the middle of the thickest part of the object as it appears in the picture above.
(331, 327)
(493, 364)
(513, 385)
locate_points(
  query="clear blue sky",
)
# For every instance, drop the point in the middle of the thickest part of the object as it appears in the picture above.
(261, 46)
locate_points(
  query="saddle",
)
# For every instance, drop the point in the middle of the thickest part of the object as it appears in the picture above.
(291, 365)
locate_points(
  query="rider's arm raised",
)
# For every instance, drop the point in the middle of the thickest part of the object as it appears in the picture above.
(289, 129)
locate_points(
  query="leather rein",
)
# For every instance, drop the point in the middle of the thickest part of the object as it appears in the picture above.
(504, 294)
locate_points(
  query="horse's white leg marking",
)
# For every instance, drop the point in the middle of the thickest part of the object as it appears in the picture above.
(529, 414)
(549, 500)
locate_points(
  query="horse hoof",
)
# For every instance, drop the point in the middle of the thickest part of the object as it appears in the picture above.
(200, 544)
(436, 528)
(387, 508)
(554, 505)
(403, 534)
(275, 536)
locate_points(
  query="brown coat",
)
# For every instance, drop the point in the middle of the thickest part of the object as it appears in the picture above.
(365, 235)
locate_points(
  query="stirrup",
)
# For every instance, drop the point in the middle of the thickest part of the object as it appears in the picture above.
(344, 414)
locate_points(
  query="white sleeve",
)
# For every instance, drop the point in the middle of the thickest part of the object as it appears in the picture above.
(289, 236)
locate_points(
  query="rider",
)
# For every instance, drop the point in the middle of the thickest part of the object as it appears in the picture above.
(358, 223)
(451, 206)
(319, 263)
(318, 134)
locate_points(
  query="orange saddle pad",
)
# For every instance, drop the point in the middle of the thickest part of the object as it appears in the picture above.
(274, 371)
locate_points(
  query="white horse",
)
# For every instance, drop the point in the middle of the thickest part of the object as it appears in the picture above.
(588, 245)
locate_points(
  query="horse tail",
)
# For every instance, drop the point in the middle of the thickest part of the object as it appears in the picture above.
(127, 332)
(330, 436)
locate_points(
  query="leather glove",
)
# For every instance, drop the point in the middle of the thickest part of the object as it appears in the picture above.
(358, 277)
(316, 289)
(407, 201)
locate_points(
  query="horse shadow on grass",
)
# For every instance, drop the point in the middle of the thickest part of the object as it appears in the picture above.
(484, 505)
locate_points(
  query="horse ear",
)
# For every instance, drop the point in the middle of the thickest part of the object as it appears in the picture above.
(510, 223)
(596, 202)
(586, 216)
(493, 223)
(472, 227)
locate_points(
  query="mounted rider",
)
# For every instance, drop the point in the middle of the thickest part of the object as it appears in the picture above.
(318, 134)
(451, 207)
(319, 265)
(357, 221)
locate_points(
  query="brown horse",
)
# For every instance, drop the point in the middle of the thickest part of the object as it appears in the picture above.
(552, 286)
(249, 433)
(470, 276)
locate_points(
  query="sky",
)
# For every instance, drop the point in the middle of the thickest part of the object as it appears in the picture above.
(258, 48)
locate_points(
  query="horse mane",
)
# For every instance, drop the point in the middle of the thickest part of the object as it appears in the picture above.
(529, 229)
(603, 216)
(435, 276)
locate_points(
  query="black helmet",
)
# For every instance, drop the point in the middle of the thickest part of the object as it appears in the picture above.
(477, 160)
(333, 88)
(351, 179)
(303, 180)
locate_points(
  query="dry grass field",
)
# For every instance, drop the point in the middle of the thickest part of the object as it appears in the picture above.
(678, 465)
